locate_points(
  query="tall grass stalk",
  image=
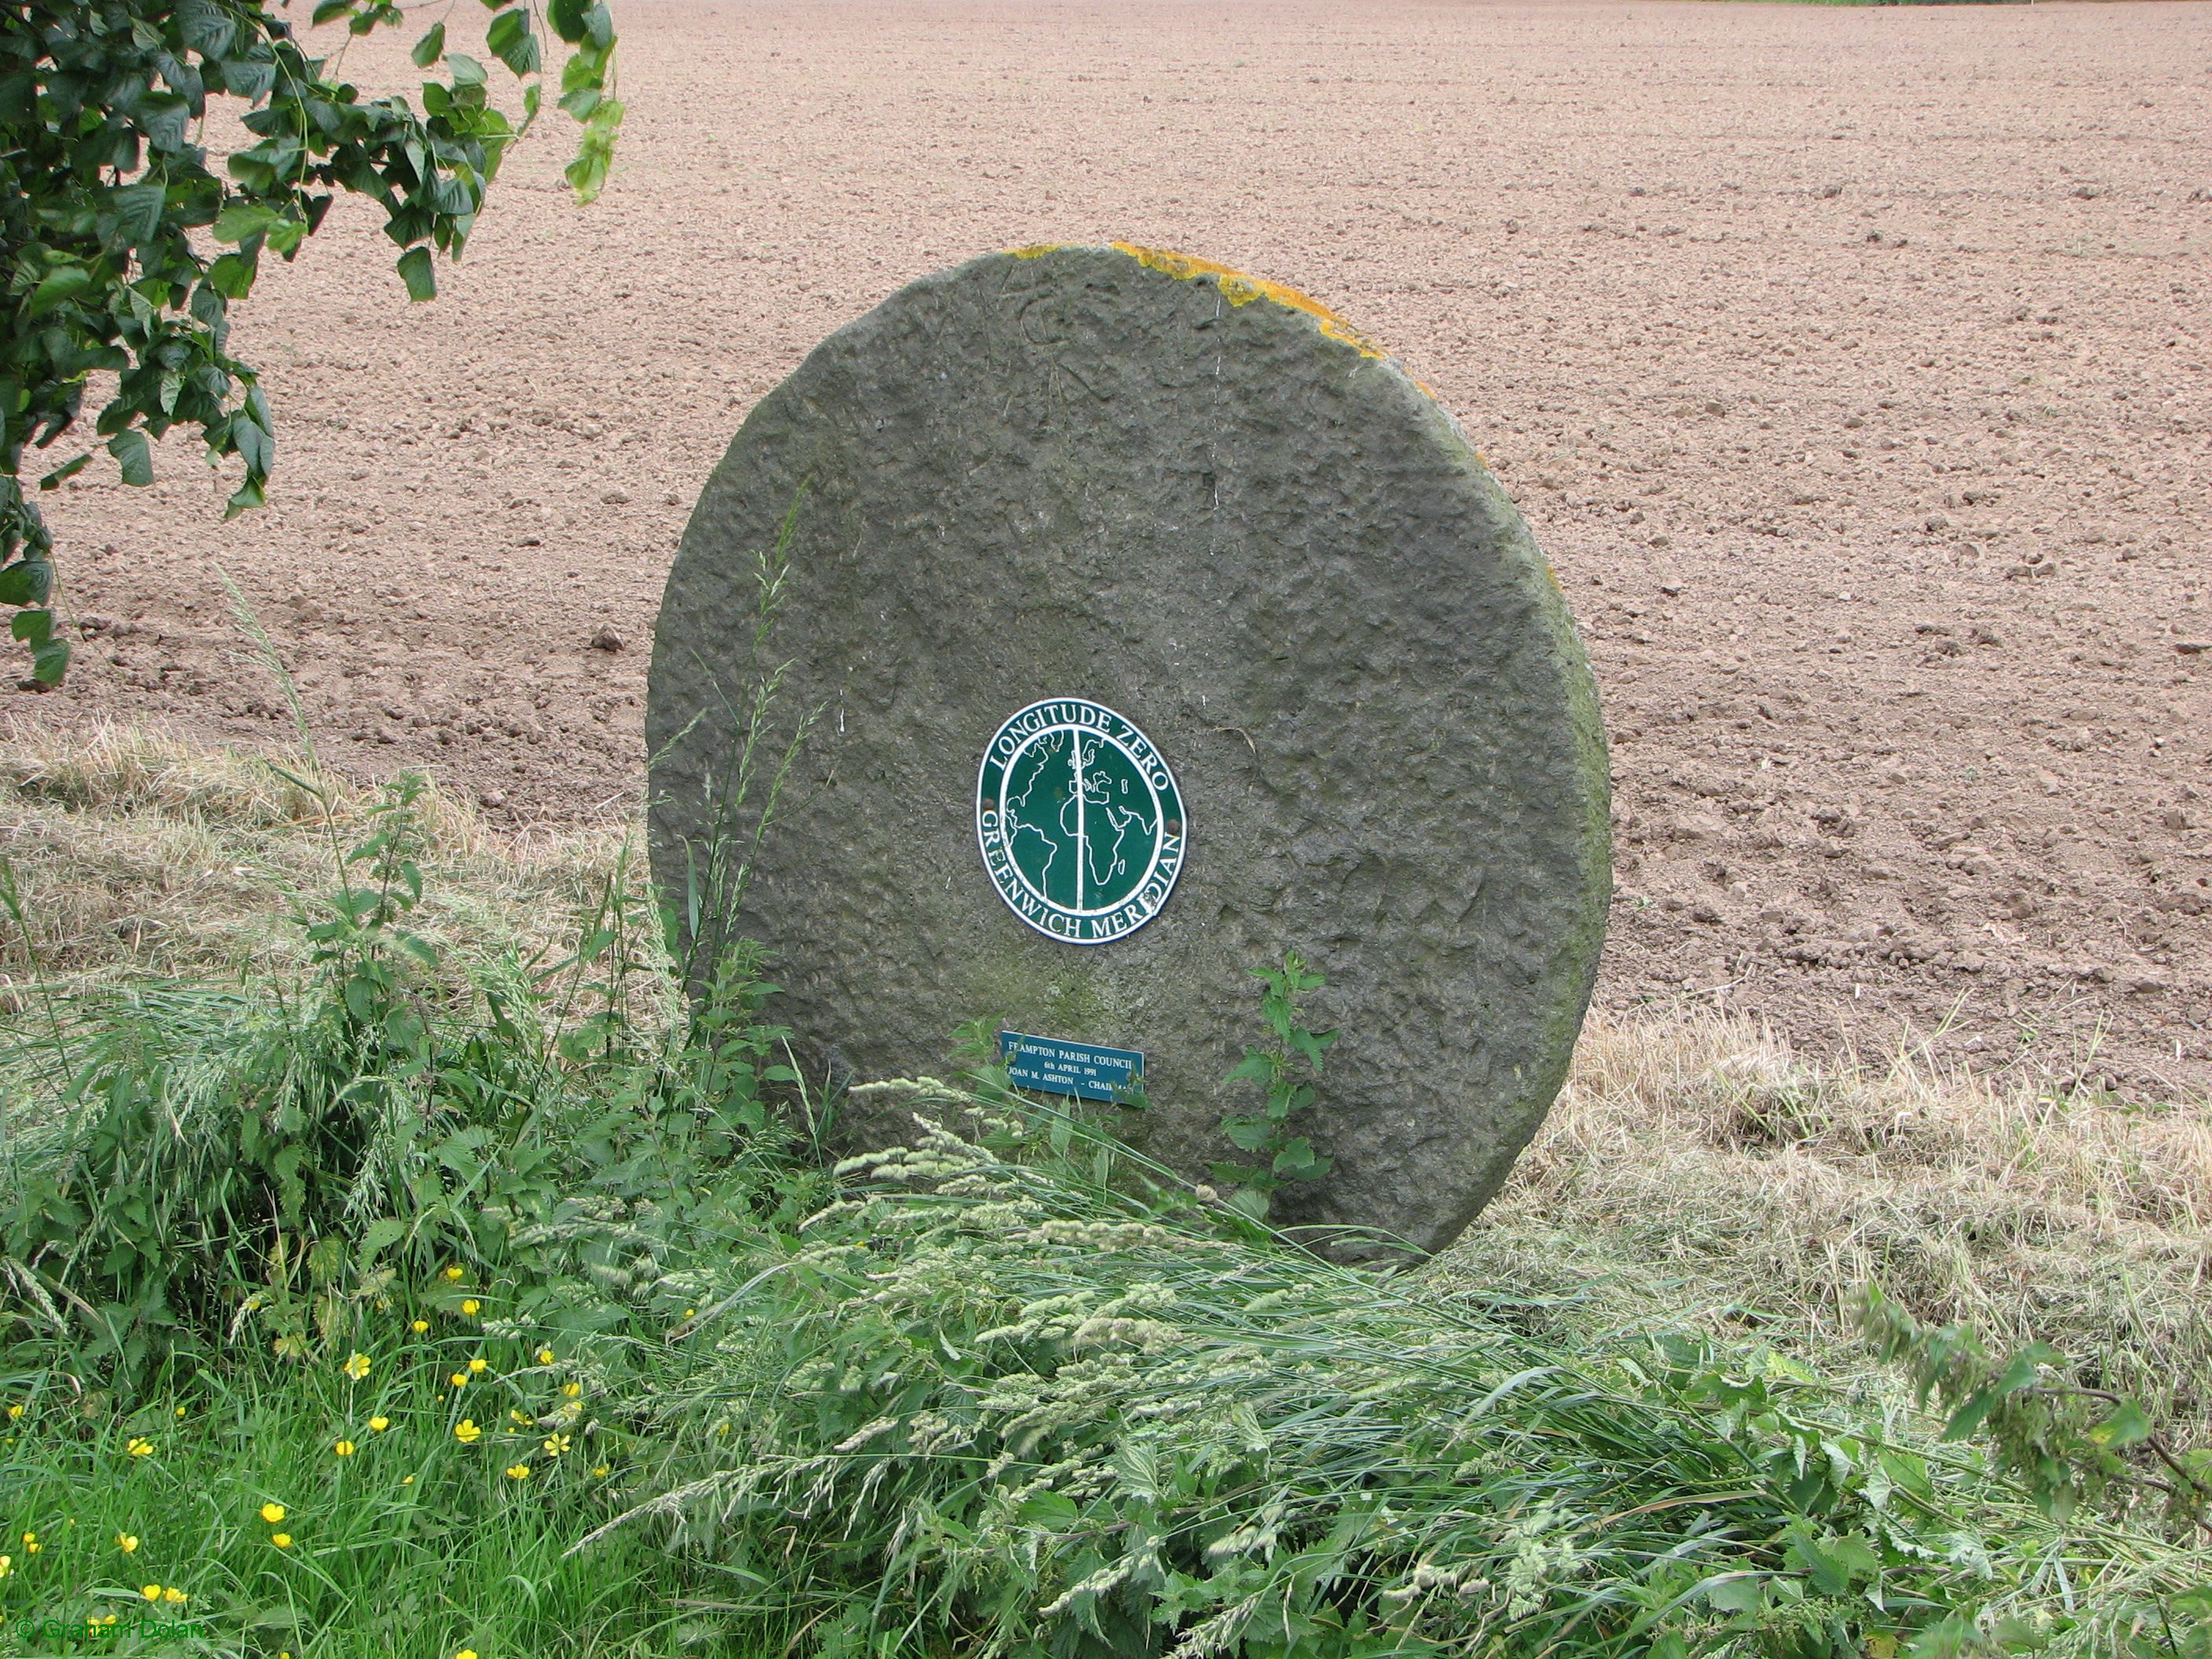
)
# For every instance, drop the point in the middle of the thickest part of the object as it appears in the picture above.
(1035, 1408)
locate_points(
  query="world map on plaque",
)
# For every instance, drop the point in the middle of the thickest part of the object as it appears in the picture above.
(1080, 823)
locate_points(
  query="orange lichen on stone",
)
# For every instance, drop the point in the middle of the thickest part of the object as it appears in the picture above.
(1235, 287)
(1239, 290)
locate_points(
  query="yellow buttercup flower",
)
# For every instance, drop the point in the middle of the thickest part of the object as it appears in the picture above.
(545, 1356)
(151, 1592)
(599, 1472)
(691, 1313)
(272, 1513)
(175, 1597)
(556, 1444)
(7, 1566)
(407, 1480)
(14, 1412)
(477, 1365)
(460, 1379)
(518, 1471)
(357, 1366)
(127, 1542)
(380, 1423)
(470, 1306)
(520, 1420)
(466, 1653)
(282, 1541)
(31, 1544)
(453, 1272)
(140, 1446)
(343, 1449)
(420, 1326)
(467, 1432)
(181, 1411)
(570, 1390)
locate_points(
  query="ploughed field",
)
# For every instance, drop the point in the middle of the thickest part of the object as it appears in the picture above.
(1851, 365)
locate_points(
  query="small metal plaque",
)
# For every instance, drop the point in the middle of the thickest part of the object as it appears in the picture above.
(1083, 1069)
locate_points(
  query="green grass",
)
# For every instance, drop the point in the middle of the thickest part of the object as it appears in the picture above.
(1015, 1392)
(415, 1545)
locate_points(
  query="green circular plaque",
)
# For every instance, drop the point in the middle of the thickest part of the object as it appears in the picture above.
(1080, 821)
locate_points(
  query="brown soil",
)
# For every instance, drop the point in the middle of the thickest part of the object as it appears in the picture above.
(1851, 366)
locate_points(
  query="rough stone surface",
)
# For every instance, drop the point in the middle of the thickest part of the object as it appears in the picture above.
(1205, 503)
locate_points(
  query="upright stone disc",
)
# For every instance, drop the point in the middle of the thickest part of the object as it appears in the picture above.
(1217, 610)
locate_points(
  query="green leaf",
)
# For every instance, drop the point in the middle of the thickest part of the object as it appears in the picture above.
(1972, 1414)
(1296, 1162)
(243, 219)
(62, 474)
(27, 581)
(1835, 1565)
(1248, 1134)
(415, 270)
(34, 628)
(465, 71)
(2128, 1425)
(1906, 1471)
(1050, 1510)
(206, 29)
(1956, 1637)
(431, 48)
(232, 275)
(256, 445)
(586, 176)
(379, 1236)
(1254, 1068)
(329, 8)
(163, 116)
(1250, 1201)
(511, 41)
(1736, 1593)
(130, 448)
(49, 662)
(249, 77)
(567, 18)
(60, 285)
(139, 212)
(2025, 1367)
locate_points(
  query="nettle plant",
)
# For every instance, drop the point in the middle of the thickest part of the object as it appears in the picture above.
(1281, 1070)
(127, 240)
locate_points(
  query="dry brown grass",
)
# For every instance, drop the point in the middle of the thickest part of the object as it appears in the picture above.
(1694, 1168)
(132, 853)
(1698, 1163)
